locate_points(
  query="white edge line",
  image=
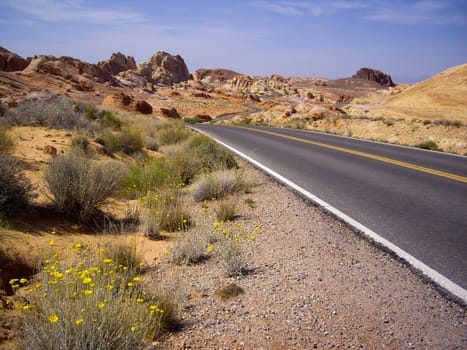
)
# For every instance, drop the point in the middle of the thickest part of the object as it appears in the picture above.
(433, 275)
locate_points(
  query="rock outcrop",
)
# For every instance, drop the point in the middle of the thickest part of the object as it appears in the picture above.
(374, 75)
(11, 62)
(117, 63)
(170, 113)
(120, 100)
(163, 68)
(217, 74)
(68, 68)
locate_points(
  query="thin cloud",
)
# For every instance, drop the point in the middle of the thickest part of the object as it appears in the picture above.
(431, 11)
(316, 8)
(72, 11)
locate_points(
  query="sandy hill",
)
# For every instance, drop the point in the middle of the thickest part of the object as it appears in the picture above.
(443, 96)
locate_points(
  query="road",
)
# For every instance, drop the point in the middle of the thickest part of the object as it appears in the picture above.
(415, 199)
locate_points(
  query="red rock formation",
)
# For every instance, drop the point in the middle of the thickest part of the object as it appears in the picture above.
(170, 113)
(163, 68)
(117, 63)
(217, 74)
(374, 75)
(11, 62)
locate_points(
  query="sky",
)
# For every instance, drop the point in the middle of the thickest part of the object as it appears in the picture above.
(410, 40)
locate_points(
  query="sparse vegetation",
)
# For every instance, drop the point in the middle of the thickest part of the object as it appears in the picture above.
(95, 303)
(80, 185)
(6, 142)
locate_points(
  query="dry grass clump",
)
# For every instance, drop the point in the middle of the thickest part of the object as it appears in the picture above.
(79, 185)
(218, 184)
(92, 303)
(15, 188)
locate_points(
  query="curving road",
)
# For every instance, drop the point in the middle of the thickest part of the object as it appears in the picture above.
(414, 199)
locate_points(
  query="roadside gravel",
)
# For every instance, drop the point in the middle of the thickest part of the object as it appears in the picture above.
(312, 283)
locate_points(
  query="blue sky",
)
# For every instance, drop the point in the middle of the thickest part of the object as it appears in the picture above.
(407, 39)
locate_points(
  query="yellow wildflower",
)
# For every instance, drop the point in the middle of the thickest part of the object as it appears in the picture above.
(136, 279)
(23, 280)
(101, 305)
(51, 242)
(139, 300)
(129, 284)
(87, 292)
(209, 248)
(133, 329)
(107, 261)
(87, 280)
(252, 237)
(53, 318)
(79, 321)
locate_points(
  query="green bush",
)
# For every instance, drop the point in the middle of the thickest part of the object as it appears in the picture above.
(80, 185)
(15, 188)
(430, 145)
(128, 141)
(6, 142)
(109, 119)
(151, 174)
(219, 184)
(172, 134)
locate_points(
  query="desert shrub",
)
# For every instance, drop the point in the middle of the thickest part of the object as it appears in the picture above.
(56, 112)
(151, 143)
(168, 205)
(80, 185)
(225, 211)
(426, 122)
(457, 123)
(389, 121)
(109, 140)
(172, 134)
(190, 249)
(430, 145)
(194, 120)
(151, 174)
(218, 184)
(214, 156)
(6, 142)
(15, 188)
(95, 303)
(231, 257)
(80, 142)
(130, 141)
(109, 119)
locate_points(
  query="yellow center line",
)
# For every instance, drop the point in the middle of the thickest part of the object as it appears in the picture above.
(367, 155)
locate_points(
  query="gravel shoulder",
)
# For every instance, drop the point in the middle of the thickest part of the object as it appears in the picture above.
(312, 283)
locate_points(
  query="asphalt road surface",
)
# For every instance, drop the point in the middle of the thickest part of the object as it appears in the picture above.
(415, 199)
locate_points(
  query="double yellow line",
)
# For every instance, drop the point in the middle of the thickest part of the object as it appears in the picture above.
(367, 155)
